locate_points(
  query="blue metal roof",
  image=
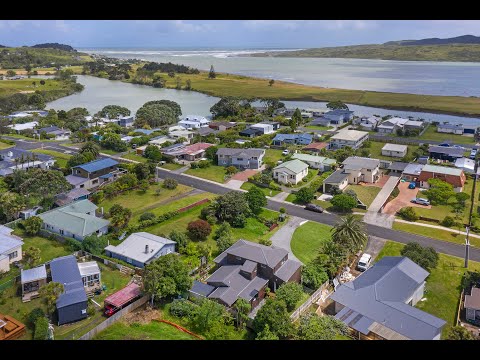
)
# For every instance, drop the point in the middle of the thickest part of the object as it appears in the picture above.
(339, 112)
(34, 274)
(97, 165)
(65, 271)
(106, 176)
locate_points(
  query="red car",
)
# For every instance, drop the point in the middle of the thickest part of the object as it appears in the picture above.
(110, 310)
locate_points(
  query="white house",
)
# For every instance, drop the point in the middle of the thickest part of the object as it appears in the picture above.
(351, 138)
(177, 132)
(264, 128)
(369, 123)
(361, 169)
(395, 150)
(316, 162)
(10, 248)
(456, 129)
(194, 122)
(290, 172)
(26, 126)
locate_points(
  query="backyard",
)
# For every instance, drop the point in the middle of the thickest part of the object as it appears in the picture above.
(213, 172)
(443, 287)
(272, 155)
(432, 134)
(375, 150)
(308, 239)
(366, 194)
(60, 158)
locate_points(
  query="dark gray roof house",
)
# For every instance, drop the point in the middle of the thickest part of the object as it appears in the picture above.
(379, 304)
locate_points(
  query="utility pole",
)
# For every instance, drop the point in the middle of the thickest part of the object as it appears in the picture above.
(472, 201)
(467, 247)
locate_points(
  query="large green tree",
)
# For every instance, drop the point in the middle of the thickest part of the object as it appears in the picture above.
(459, 333)
(439, 191)
(155, 115)
(274, 313)
(426, 257)
(32, 256)
(176, 108)
(266, 334)
(75, 160)
(233, 208)
(350, 232)
(337, 104)
(90, 150)
(11, 204)
(119, 216)
(344, 202)
(226, 106)
(314, 327)
(114, 142)
(290, 293)
(40, 182)
(50, 293)
(166, 277)
(256, 199)
(113, 111)
(305, 195)
(32, 225)
(242, 308)
(313, 275)
(94, 244)
(153, 153)
(181, 239)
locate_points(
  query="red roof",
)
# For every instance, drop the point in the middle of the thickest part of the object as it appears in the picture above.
(123, 296)
(316, 146)
(194, 148)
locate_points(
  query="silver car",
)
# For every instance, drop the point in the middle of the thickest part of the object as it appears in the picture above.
(421, 201)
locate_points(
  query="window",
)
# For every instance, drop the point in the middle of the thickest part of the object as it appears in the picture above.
(61, 231)
(129, 260)
(291, 176)
(84, 311)
(82, 186)
(239, 159)
(13, 255)
(95, 182)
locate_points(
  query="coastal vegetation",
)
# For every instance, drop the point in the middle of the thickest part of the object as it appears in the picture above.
(31, 57)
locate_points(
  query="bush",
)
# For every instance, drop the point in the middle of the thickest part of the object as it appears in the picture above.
(426, 257)
(305, 195)
(194, 165)
(32, 225)
(33, 316)
(266, 242)
(147, 216)
(313, 275)
(90, 309)
(282, 210)
(41, 329)
(204, 164)
(170, 184)
(408, 213)
(182, 308)
(231, 170)
(291, 293)
(344, 202)
(448, 221)
(199, 229)
(74, 245)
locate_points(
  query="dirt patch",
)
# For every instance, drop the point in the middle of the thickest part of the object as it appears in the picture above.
(244, 175)
(142, 316)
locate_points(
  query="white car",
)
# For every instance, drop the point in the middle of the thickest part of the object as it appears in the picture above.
(285, 152)
(364, 262)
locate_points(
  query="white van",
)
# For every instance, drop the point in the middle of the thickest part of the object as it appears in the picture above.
(364, 262)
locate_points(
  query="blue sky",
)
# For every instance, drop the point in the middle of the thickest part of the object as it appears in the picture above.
(226, 33)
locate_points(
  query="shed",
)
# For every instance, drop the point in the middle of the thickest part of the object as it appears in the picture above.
(472, 305)
(32, 280)
(124, 296)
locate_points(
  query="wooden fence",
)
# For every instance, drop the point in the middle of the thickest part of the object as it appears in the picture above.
(312, 299)
(198, 203)
(114, 318)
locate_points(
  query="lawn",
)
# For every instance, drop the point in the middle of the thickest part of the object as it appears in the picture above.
(133, 156)
(108, 151)
(366, 194)
(432, 134)
(171, 166)
(268, 192)
(152, 331)
(439, 234)
(310, 176)
(376, 151)
(4, 146)
(139, 201)
(213, 172)
(273, 155)
(308, 239)
(443, 286)
(60, 158)
(49, 249)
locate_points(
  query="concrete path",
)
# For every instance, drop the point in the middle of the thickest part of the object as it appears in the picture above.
(374, 246)
(284, 235)
(234, 184)
(376, 218)
(383, 195)
(181, 170)
(281, 196)
(438, 227)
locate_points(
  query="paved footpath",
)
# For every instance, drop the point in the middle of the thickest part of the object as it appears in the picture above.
(280, 196)
(284, 235)
(437, 227)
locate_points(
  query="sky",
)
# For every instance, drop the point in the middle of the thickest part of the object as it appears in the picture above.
(226, 33)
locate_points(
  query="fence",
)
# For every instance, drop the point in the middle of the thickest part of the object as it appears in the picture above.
(114, 318)
(107, 262)
(313, 298)
(457, 319)
(198, 203)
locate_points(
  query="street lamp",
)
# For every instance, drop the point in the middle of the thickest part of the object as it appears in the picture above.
(467, 247)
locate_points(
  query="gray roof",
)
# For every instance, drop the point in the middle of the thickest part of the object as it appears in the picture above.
(336, 177)
(251, 131)
(234, 152)
(7, 241)
(395, 147)
(71, 196)
(133, 247)
(380, 293)
(36, 273)
(248, 266)
(201, 288)
(472, 301)
(466, 164)
(413, 169)
(88, 268)
(452, 151)
(204, 131)
(442, 170)
(65, 271)
(288, 269)
(358, 162)
(261, 254)
(398, 166)
(75, 180)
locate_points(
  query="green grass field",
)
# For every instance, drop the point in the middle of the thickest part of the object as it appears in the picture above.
(5, 146)
(365, 193)
(319, 127)
(443, 286)
(151, 331)
(171, 166)
(60, 158)
(432, 134)
(108, 151)
(49, 249)
(133, 156)
(308, 239)
(376, 151)
(213, 172)
(268, 192)
(273, 155)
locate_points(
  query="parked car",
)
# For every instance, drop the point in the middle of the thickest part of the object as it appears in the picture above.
(444, 144)
(412, 185)
(364, 262)
(458, 147)
(421, 201)
(285, 152)
(313, 207)
(473, 154)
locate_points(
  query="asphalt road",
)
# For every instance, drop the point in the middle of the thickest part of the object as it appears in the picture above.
(331, 219)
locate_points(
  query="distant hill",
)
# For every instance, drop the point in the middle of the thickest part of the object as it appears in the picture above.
(462, 48)
(464, 39)
(2, 46)
(55, 46)
(40, 57)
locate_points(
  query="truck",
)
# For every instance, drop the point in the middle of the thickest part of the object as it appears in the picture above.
(121, 298)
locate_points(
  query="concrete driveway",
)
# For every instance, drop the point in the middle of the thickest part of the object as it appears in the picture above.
(284, 235)
(383, 195)
(403, 199)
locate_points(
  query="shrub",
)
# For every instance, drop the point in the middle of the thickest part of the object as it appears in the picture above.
(313, 275)
(170, 184)
(90, 309)
(343, 202)
(147, 216)
(291, 293)
(305, 195)
(204, 164)
(282, 210)
(194, 165)
(426, 257)
(448, 221)
(211, 219)
(182, 308)
(231, 170)
(199, 229)
(41, 329)
(33, 316)
(408, 213)
(266, 242)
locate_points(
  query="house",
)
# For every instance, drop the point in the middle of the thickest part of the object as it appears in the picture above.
(472, 305)
(379, 304)
(351, 138)
(90, 274)
(467, 165)
(391, 125)
(10, 328)
(290, 172)
(245, 270)
(275, 125)
(338, 116)
(71, 196)
(126, 121)
(412, 172)
(315, 147)
(32, 280)
(160, 140)
(394, 150)
(445, 153)
(260, 109)
(22, 127)
(10, 248)
(297, 139)
(95, 173)
(396, 168)
(470, 130)
(320, 121)
(241, 158)
(448, 128)
(189, 152)
(28, 113)
(453, 176)
(193, 122)
(17, 159)
(205, 131)
(264, 128)
(54, 132)
(221, 125)
(316, 162)
(28, 213)
(76, 220)
(72, 303)
(354, 169)
(251, 133)
(178, 132)
(141, 248)
(369, 123)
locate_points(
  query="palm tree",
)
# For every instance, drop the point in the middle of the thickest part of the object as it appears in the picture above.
(350, 232)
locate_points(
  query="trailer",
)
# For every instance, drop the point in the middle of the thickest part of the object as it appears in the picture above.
(121, 298)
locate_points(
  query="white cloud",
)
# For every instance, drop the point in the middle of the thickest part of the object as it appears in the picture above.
(183, 26)
(347, 24)
(270, 24)
(323, 24)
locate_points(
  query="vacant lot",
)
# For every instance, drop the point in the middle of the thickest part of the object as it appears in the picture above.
(443, 286)
(213, 173)
(272, 155)
(308, 239)
(152, 331)
(432, 134)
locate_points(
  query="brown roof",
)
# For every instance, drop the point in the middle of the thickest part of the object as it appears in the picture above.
(473, 301)
(217, 124)
(455, 180)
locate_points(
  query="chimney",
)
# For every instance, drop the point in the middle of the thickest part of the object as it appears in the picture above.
(146, 249)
